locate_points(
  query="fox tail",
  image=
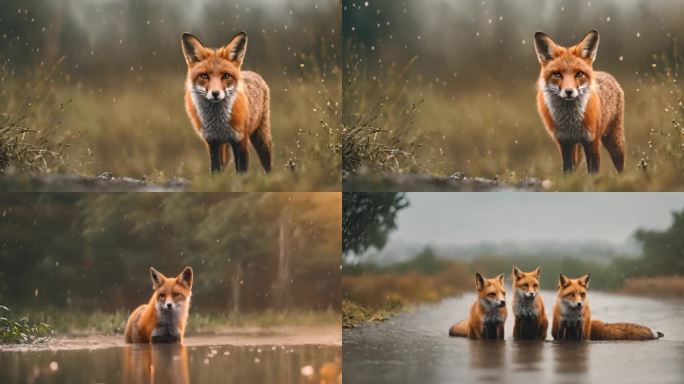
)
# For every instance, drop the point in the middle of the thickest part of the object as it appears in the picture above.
(460, 329)
(622, 331)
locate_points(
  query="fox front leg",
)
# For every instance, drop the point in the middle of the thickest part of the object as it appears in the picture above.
(567, 149)
(215, 155)
(241, 156)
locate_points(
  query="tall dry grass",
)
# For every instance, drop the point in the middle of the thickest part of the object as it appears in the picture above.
(492, 132)
(136, 126)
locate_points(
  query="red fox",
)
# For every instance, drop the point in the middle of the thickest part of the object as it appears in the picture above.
(226, 105)
(528, 306)
(572, 317)
(579, 106)
(163, 319)
(487, 314)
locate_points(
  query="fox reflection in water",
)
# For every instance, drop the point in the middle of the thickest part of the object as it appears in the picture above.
(155, 363)
(568, 357)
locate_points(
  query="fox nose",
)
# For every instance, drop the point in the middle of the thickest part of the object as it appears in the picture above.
(169, 305)
(215, 94)
(579, 304)
(502, 303)
(568, 92)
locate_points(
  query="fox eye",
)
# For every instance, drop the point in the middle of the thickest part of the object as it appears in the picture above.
(556, 74)
(583, 294)
(176, 294)
(161, 295)
(226, 76)
(204, 76)
(535, 286)
(579, 74)
(525, 285)
(492, 294)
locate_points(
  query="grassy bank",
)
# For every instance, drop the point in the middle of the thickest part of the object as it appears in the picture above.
(81, 323)
(136, 126)
(406, 126)
(659, 286)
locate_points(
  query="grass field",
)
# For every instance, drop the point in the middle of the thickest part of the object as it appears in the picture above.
(112, 323)
(136, 126)
(487, 131)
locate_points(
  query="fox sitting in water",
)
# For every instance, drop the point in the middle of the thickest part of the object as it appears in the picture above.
(163, 319)
(488, 312)
(528, 306)
(572, 317)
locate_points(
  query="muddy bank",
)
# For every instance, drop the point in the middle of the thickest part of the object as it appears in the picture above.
(285, 336)
(76, 183)
(413, 182)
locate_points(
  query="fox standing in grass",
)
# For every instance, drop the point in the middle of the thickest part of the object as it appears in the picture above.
(228, 107)
(580, 106)
(528, 306)
(163, 319)
(572, 317)
(488, 312)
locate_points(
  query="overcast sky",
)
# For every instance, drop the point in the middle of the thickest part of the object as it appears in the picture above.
(468, 218)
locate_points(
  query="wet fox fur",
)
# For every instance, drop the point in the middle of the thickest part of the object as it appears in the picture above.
(580, 107)
(163, 319)
(228, 107)
(528, 306)
(488, 312)
(572, 317)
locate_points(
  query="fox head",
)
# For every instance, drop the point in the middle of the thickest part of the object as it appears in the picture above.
(572, 293)
(566, 71)
(526, 284)
(214, 73)
(491, 292)
(171, 294)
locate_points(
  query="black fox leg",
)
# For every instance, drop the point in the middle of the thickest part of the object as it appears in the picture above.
(567, 149)
(591, 152)
(241, 156)
(215, 155)
(262, 145)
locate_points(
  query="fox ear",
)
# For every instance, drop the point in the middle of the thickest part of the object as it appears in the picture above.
(584, 280)
(589, 45)
(157, 278)
(193, 50)
(501, 279)
(235, 50)
(517, 273)
(546, 48)
(185, 277)
(537, 271)
(480, 281)
(563, 281)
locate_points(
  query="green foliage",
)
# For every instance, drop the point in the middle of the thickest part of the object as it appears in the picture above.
(368, 218)
(249, 252)
(21, 330)
(663, 251)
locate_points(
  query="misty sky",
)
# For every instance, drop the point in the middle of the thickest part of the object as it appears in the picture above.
(469, 218)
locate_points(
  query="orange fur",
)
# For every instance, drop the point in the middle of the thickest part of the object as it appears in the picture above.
(219, 70)
(576, 290)
(144, 319)
(528, 283)
(602, 117)
(475, 327)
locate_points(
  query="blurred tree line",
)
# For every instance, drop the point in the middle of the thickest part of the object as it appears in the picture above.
(476, 42)
(101, 38)
(249, 252)
(373, 217)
